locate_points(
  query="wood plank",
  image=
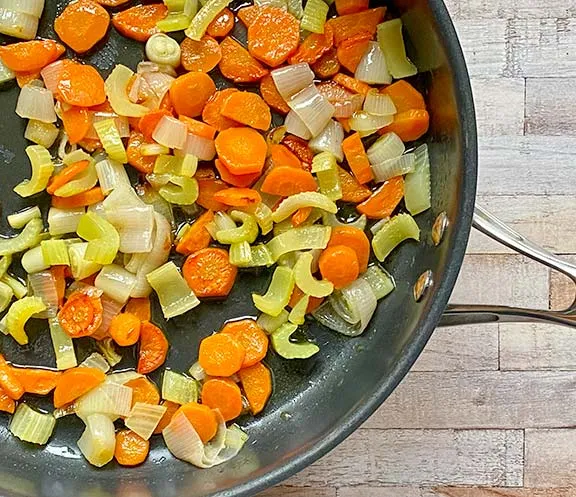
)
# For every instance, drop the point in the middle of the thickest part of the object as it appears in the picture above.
(562, 289)
(364, 491)
(550, 458)
(494, 399)
(502, 9)
(286, 491)
(461, 348)
(546, 113)
(537, 346)
(426, 457)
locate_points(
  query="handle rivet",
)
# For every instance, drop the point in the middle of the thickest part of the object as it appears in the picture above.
(423, 283)
(439, 228)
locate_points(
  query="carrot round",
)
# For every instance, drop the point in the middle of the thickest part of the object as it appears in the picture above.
(352, 190)
(301, 215)
(257, 384)
(300, 149)
(251, 337)
(238, 197)
(351, 50)
(202, 418)
(81, 315)
(201, 56)
(135, 158)
(347, 26)
(247, 108)
(352, 84)
(199, 128)
(212, 113)
(77, 123)
(314, 46)
(354, 238)
(280, 155)
(190, 92)
(240, 180)
(131, 449)
(139, 307)
(90, 197)
(82, 24)
(313, 302)
(139, 22)
(6, 403)
(125, 329)
(328, 65)
(221, 355)
(209, 273)
(24, 78)
(222, 24)
(197, 236)
(112, 3)
(383, 201)
(153, 348)
(287, 180)
(81, 85)
(339, 265)
(9, 382)
(207, 188)
(143, 390)
(30, 56)
(76, 382)
(66, 175)
(171, 408)
(36, 380)
(409, 125)
(147, 124)
(243, 150)
(355, 153)
(238, 65)
(224, 395)
(404, 96)
(271, 96)
(249, 14)
(344, 7)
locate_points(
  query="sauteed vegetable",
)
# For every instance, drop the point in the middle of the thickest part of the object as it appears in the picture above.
(165, 186)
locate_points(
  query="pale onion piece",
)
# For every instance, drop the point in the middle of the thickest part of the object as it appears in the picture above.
(62, 345)
(33, 261)
(291, 204)
(19, 313)
(152, 149)
(18, 24)
(388, 146)
(197, 372)
(313, 108)
(400, 228)
(96, 361)
(271, 323)
(332, 220)
(314, 17)
(391, 42)
(178, 388)
(32, 8)
(134, 93)
(80, 267)
(148, 67)
(116, 91)
(20, 219)
(98, 441)
(203, 148)
(291, 79)
(381, 282)
(379, 104)
(284, 347)
(135, 225)
(123, 377)
(305, 280)
(278, 294)
(329, 140)
(29, 237)
(346, 108)
(110, 399)
(36, 103)
(170, 132)
(162, 49)
(417, 183)
(42, 169)
(32, 426)
(111, 175)
(372, 68)
(44, 134)
(399, 166)
(43, 286)
(327, 316)
(115, 282)
(144, 419)
(122, 197)
(295, 126)
(204, 17)
(304, 238)
(347, 302)
(364, 122)
(18, 288)
(111, 308)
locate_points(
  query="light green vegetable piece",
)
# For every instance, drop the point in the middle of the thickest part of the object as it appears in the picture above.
(400, 228)
(278, 294)
(290, 350)
(19, 314)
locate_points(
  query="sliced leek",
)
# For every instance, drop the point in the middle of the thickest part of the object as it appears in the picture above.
(63, 346)
(81, 267)
(284, 347)
(305, 199)
(392, 44)
(417, 183)
(110, 399)
(314, 16)
(116, 91)
(174, 294)
(379, 280)
(44, 134)
(19, 314)
(144, 419)
(179, 388)
(30, 425)
(115, 282)
(42, 169)
(271, 323)
(111, 140)
(22, 218)
(98, 441)
(55, 252)
(103, 239)
(306, 238)
(306, 281)
(64, 221)
(6, 294)
(400, 228)
(20, 290)
(326, 169)
(278, 294)
(96, 361)
(204, 17)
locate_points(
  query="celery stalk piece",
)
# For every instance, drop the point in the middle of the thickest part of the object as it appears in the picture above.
(5, 262)
(98, 441)
(144, 418)
(174, 21)
(295, 8)
(44, 134)
(314, 16)
(180, 190)
(305, 238)
(379, 280)
(259, 255)
(417, 185)
(76, 156)
(55, 252)
(179, 388)
(42, 169)
(29, 237)
(32, 426)
(305, 199)
(326, 169)
(392, 44)
(6, 294)
(80, 267)
(116, 91)
(18, 315)
(20, 219)
(204, 17)
(111, 140)
(63, 346)
(278, 294)
(298, 313)
(289, 350)
(400, 228)
(115, 282)
(247, 232)
(175, 5)
(306, 281)
(240, 254)
(108, 349)
(103, 239)
(20, 290)
(271, 323)
(86, 180)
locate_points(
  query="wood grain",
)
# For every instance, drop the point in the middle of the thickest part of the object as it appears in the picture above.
(502, 9)
(284, 491)
(562, 289)
(550, 458)
(543, 107)
(363, 491)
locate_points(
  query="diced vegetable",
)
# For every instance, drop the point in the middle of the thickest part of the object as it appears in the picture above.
(174, 294)
(144, 418)
(398, 229)
(417, 186)
(278, 294)
(32, 426)
(282, 345)
(42, 169)
(178, 388)
(392, 44)
(19, 313)
(98, 441)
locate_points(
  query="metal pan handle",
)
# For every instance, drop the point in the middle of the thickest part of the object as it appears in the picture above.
(457, 314)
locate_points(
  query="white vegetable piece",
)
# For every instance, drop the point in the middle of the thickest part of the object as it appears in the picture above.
(162, 49)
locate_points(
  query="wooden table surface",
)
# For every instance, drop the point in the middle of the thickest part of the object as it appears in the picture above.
(490, 410)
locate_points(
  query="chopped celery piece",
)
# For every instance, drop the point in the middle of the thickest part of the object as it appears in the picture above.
(179, 388)
(295, 8)
(247, 232)
(44, 134)
(20, 290)
(263, 215)
(326, 169)
(6, 74)
(6, 294)
(291, 204)
(174, 294)
(144, 418)
(392, 45)
(18, 315)
(271, 323)
(399, 228)
(108, 349)
(281, 343)
(20, 219)
(64, 221)
(175, 5)
(96, 361)
(32, 426)
(180, 190)
(80, 267)
(167, 164)
(278, 294)
(116, 91)
(28, 238)
(116, 282)
(298, 313)
(379, 280)
(103, 239)
(111, 140)
(76, 156)
(197, 372)
(306, 281)
(98, 441)
(63, 346)
(314, 16)
(84, 181)
(204, 17)
(33, 260)
(42, 169)
(174, 21)
(306, 238)
(55, 252)
(259, 255)
(240, 254)
(5, 262)
(189, 165)
(417, 183)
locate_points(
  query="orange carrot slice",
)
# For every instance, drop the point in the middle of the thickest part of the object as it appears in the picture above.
(224, 395)
(202, 418)
(352, 190)
(353, 149)
(139, 22)
(243, 150)
(222, 24)
(287, 180)
(197, 236)
(143, 390)
(271, 96)
(257, 384)
(251, 337)
(30, 56)
(339, 265)
(76, 382)
(209, 273)
(193, 83)
(82, 24)
(240, 180)
(247, 108)
(212, 113)
(314, 46)
(80, 85)
(153, 348)
(409, 125)
(345, 27)
(238, 197)
(221, 355)
(131, 449)
(202, 56)
(383, 201)
(238, 65)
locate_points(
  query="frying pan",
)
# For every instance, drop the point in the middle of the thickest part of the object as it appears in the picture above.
(318, 402)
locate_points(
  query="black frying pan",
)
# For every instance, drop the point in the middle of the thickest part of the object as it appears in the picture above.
(316, 403)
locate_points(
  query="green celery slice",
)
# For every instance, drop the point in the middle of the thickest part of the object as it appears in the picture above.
(18, 315)
(32, 426)
(116, 91)
(55, 252)
(20, 219)
(289, 350)
(304, 238)
(271, 323)
(298, 313)
(111, 140)
(86, 180)
(63, 346)
(20, 290)
(305, 199)
(278, 294)
(392, 45)
(417, 183)
(314, 16)
(379, 280)
(29, 237)
(5, 262)
(179, 388)
(174, 21)
(306, 281)
(42, 169)
(326, 169)
(204, 17)
(400, 228)
(103, 239)
(6, 294)
(240, 254)
(247, 232)
(180, 190)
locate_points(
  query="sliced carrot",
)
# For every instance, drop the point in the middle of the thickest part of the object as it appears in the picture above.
(274, 36)
(171, 408)
(209, 273)
(314, 46)
(222, 24)
(281, 155)
(9, 382)
(135, 158)
(221, 355)
(30, 56)
(193, 83)
(354, 238)
(251, 337)
(345, 122)
(257, 384)
(81, 315)
(212, 113)
(201, 56)
(352, 190)
(339, 265)
(148, 123)
(240, 180)
(300, 149)
(74, 383)
(207, 188)
(238, 65)
(24, 78)
(223, 394)
(347, 26)
(143, 390)
(328, 65)
(6, 403)
(153, 348)
(409, 125)
(197, 236)
(404, 96)
(345, 7)
(125, 329)
(355, 154)
(199, 128)
(66, 175)
(247, 108)
(131, 449)
(238, 197)
(352, 84)
(139, 307)
(84, 199)
(80, 85)
(301, 215)
(112, 3)
(59, 273)
(243, 150)
(351, 50)
(313, 302)
(286, 181)
(36, 380)
(248, 14)
(271, 96)
(77, 123)
(82, 24)
(202, 418)
(383, 201)
(139, 22)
